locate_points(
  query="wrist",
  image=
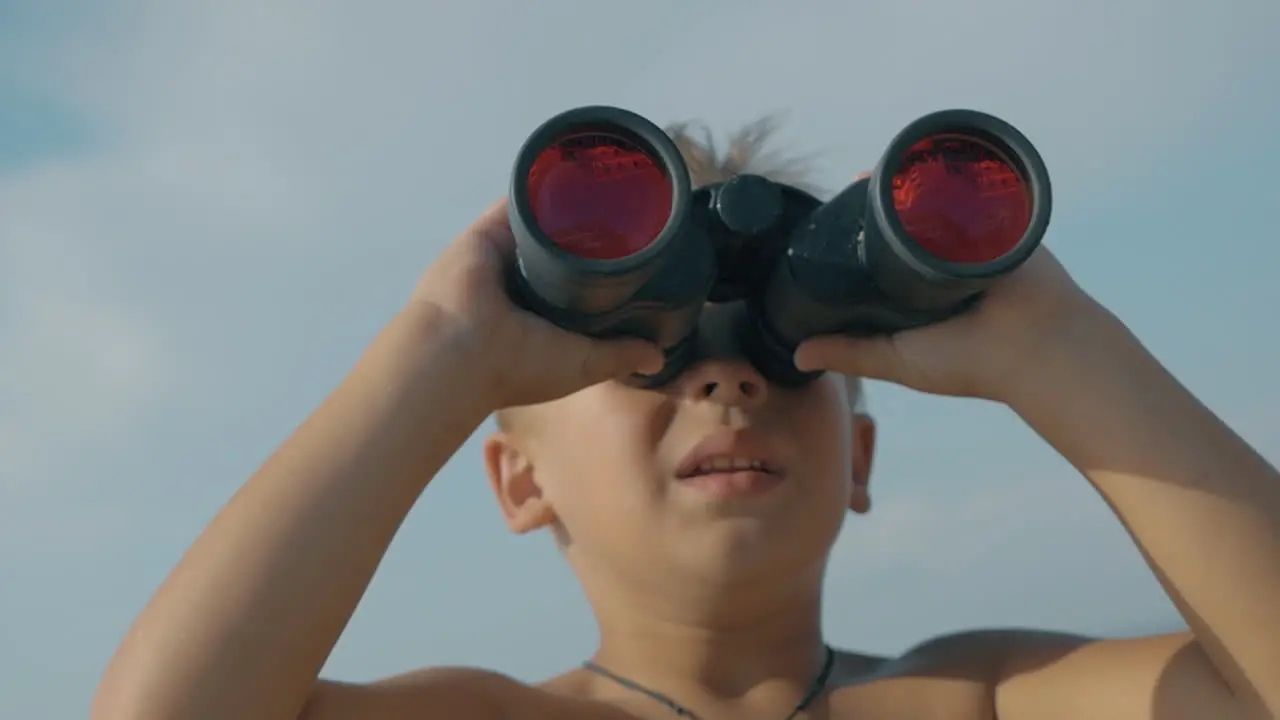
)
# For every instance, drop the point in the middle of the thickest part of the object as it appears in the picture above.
(1091, 386)
(1085, 347)
(440, 363)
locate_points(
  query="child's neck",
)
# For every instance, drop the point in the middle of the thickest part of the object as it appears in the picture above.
(757, 643)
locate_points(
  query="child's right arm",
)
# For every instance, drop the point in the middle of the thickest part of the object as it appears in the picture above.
(243, 625)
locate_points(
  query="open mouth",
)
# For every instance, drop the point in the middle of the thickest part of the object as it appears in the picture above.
(727, 477)
(726, 465)
(731, 464)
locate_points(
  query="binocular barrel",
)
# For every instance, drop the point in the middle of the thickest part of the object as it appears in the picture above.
(613, 240)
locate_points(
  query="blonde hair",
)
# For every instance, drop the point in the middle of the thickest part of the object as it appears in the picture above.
(747, 151)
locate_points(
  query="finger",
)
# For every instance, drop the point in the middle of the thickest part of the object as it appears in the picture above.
(607, 359)
(874, 358)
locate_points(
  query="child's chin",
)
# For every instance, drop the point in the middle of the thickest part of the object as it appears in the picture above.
(733, 547)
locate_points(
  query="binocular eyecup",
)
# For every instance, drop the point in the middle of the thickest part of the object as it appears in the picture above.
(613, 240)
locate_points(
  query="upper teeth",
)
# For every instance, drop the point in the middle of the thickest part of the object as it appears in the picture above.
(721, 464)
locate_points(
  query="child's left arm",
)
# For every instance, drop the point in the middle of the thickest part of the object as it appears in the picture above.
(1202, 506)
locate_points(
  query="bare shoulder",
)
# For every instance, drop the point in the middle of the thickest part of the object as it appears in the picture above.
(1009, 674)
(1013, 674)
(445, 693)
(946, 678)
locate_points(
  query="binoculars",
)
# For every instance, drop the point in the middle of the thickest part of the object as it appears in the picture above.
(612, 239)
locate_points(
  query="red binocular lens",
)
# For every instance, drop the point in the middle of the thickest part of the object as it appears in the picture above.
(960, 200)
(599, 196)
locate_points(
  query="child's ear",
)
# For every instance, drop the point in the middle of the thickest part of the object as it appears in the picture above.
(511, 474)
(864, 450)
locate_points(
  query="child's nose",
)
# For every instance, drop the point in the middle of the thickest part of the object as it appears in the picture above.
(730, 382)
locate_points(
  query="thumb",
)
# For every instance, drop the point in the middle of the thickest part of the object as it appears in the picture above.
(493, 228)
(876, 358)
(608, 359)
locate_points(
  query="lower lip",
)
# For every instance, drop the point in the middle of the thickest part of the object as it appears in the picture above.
(739, 484)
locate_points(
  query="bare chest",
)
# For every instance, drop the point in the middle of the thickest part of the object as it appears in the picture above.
(887, 697)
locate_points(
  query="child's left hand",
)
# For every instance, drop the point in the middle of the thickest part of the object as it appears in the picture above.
(982, 353)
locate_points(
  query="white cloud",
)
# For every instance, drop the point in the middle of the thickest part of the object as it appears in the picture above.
(1040, 551)
(78, 367)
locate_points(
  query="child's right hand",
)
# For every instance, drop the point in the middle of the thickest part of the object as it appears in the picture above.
(514, 357)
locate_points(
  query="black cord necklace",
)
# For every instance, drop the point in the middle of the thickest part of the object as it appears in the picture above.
(816, 688)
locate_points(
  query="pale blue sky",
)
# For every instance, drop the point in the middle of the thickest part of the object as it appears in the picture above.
(207, 208)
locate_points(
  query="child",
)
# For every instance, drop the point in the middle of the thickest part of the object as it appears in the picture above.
(699, 519)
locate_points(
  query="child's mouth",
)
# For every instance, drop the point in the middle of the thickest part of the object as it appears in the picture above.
(733, 483)
(731, 464)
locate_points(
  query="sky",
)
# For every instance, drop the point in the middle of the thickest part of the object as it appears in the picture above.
(207, 209)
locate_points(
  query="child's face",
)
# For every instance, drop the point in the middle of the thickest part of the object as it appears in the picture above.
(608, 466)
